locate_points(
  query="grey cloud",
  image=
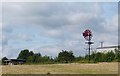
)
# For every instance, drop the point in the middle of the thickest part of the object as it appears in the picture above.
(7, 51)
(4, 41)
(7, 35)
(59, 21)
(45, 14)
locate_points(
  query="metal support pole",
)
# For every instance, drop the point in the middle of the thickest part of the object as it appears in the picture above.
(89, 47)
(89, 50)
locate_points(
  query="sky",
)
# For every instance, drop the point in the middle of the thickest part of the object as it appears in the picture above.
(60, 0)
(49, 27)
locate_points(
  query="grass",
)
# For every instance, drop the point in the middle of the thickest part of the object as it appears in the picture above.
(73, 68)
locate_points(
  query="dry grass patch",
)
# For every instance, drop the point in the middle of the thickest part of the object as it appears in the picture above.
(74, 68)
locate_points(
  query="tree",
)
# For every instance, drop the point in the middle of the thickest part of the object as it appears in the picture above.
(110, 56)
(100, 57)
(37, 58)
(86, 57)
(93, 57)
(79, 58)
(30, 59)
(31, 53)
(23, 54)
(119, 56)
(66, 56)
(45, 59)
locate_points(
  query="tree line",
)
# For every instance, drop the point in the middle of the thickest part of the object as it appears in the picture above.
(67, 57)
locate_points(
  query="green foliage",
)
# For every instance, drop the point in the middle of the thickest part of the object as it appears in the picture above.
(99, 57)
(118, 57)
(45, 59)
(102, 57)
(66, 56)
(23, 54)
(30, 59)
(30, 53)
(80, 58)
(110, 56)
(36, 58)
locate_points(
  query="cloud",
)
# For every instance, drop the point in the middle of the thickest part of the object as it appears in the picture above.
(10, 51)
(23, 37)
(4, 40)
(54, 15)
(51, 27)
(48, 50)
(60, 1)
(111, 24)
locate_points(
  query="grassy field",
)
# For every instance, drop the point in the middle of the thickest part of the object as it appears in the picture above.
(74, 68)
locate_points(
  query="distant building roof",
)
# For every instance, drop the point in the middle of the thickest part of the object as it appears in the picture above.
(16, 60)
(107, 47)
